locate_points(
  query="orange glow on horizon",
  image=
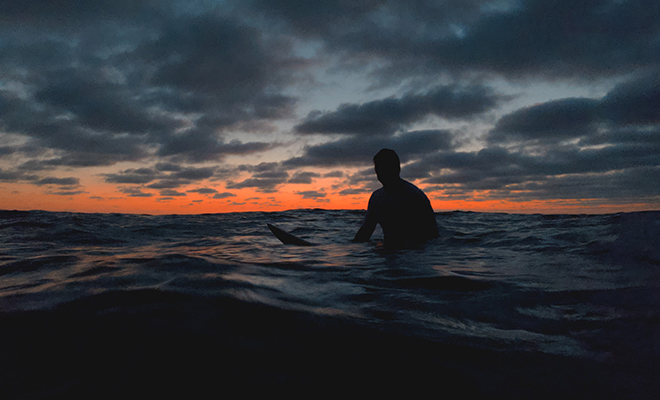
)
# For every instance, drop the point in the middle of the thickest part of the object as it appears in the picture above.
(106, 199)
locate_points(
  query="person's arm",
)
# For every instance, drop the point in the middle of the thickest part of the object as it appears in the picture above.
(364, 233)
(368, 226)
(431, 224)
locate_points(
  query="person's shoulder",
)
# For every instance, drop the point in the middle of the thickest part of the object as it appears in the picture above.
(413, 188)
(377, 201)
(416, 193)
(378, 194)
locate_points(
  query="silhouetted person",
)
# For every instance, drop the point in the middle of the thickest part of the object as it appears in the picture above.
(401, 208)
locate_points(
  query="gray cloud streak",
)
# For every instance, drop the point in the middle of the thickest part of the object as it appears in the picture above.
(386, 116)
(358, 150)
(168, 84)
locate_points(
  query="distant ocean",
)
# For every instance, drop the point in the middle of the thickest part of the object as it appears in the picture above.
(214, 306)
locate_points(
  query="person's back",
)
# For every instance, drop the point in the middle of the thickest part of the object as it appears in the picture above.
(403, 210)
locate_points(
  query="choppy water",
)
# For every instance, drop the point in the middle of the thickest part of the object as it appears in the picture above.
(573, 288)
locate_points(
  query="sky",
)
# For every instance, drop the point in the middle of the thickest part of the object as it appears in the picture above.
(203, 106)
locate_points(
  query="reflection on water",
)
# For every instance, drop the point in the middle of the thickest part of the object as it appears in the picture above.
(520, 281)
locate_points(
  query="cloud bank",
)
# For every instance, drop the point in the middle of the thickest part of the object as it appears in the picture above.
(217, 98)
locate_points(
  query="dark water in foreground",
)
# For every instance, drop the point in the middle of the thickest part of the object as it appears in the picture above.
(500, 306)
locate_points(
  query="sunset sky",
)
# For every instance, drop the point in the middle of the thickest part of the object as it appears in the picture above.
(208, 106)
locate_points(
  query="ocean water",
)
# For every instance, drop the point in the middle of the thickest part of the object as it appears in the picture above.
(499, 306)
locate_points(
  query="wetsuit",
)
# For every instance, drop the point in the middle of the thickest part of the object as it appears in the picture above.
(403, 211)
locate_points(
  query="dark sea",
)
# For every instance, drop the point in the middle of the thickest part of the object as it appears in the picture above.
(214, 306)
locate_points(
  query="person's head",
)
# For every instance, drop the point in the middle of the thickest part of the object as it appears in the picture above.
(388, 166)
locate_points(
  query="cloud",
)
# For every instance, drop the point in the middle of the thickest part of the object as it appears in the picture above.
(519, 174)
(464, 167)
(198, 146)
(592, 37)
(136, 176)
(541, 38)
(186, 90)
(354, 191)
(74, 11)
(633, 185)
(58, 181)
(193, 173)
(311, 194)
(223, 195)
(630, 109)
(51, 128)
(171, 193)
(168, 184)
(163, 176)
(134, 192)
(642, 136)
(203, 191)
(262, 185)
(359, 150)
(77, 160)
(635, 102)
(303, 177)
(265, 185)
(69, 186)
(386, 116)
(96, 103)
(135, 79)
(265, 178)
(363, 181)
(66, 192)
(334, 174)
(167, 166)
(16, 176)
(219, 55)
(552, 122)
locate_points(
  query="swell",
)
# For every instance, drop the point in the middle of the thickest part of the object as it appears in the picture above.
(40, 263)
(157, 342)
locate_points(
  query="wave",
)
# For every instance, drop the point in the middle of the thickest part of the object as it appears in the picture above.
(497, 273)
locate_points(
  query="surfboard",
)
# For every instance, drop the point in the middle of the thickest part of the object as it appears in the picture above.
(287, 238)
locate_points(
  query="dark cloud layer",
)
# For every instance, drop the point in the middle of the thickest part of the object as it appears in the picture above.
(170, 84)
(560, 38)
(58, 181)
(548, 122)
(265, 177)
(163, 177)
(386, 116)
(312, 194)
(67, 11)
(303, 177)
(358, 150)
(635, 103)
(137, 176)
(607, 148)
(584, 38)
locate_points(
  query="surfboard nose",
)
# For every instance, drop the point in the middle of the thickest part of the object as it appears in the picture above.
(288, 238)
